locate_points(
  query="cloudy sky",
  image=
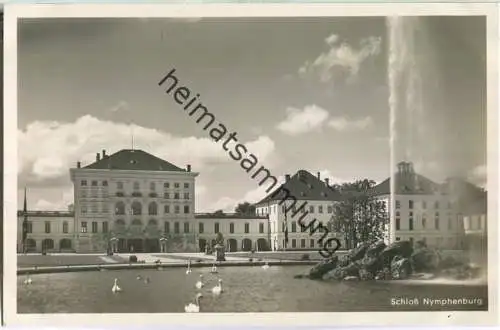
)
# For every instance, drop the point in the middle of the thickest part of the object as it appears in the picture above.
(301, 93)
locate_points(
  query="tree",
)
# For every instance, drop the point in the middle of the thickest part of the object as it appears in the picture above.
(245, 209)
(360, 216)
(218, 213)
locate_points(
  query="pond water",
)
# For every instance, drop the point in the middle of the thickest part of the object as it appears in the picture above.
(246, 289)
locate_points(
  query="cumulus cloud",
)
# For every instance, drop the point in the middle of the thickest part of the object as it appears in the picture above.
(346, 124)
(478, 175)
(341, 58)
(332, 179)
(313, 118)
(299, 121)
(228, 204)
(48, 149)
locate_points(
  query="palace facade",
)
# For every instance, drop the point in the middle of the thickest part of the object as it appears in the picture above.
(132, 201)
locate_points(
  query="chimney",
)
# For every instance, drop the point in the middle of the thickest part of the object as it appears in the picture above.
(78, 164)
(327, 182)
(188, 167)
(97, 157)
(103, 153)
(319, 176)
(287, 177)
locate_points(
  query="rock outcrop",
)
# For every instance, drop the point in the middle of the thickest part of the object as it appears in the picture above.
(397, 261)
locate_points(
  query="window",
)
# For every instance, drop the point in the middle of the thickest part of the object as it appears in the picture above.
(176, 195)
(166, 209)
(410, 223)
(119, 185)
(216, 227)
(247, 228)
(84, 226)
(186, 185)
(177, 209)
(105, 183)
(94, 227)
(152, 186)
(424, 205)
(166, 195)
(186, 195)
(176, 228)
(294, 243)
(410, 204)
(398, 204)
(330, 209)
(65, 227)
(320, 210)
(294, 227)
(436, 223)
(449, 205)
(231, 228)
(261, 228)
(311, 209)
(410, 214)
(166, 185)
(176, 185)
(311, 243)
(186, 209)
(450, 223)
(303, 208)
(201, 228)
(47, 227)
(136, 208)
(83, 183)
(424, 222)
(303, 243)
(398, 238)
(83, 193)
(153, 208)
(166, 227)
(186, 227)
(83, 209)
(30, 227)
(94, 183)
(105, 227)
(94, 208)
(137, 186)
(93, 194)
(105, 208)
(436, 205)
(398, 223)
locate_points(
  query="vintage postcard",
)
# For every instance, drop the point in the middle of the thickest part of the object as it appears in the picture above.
(251, 164)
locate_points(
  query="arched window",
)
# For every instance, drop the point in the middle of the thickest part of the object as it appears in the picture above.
(136, 222)
(136, 208)
(120, 222)
(153, 208)
(153, 223)
(120, 208)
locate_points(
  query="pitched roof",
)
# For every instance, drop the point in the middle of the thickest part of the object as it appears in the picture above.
(133, 160)
(407, 184)
(303, 186)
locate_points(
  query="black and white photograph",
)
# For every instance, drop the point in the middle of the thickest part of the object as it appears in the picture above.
(243, 159)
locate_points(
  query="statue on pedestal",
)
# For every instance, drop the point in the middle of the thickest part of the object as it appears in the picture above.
(220, 250)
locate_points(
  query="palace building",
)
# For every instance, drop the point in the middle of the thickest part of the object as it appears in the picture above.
(132, 201)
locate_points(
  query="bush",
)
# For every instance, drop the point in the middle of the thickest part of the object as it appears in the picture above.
(305, 256)
(132, 259)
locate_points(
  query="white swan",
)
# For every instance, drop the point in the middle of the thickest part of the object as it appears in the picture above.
(200, 284)
(214, 269)
(194, 308)
(265, 266)
(116, 288)
(28, 280)
(138, 277)
(218, 288)
(188, 271)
